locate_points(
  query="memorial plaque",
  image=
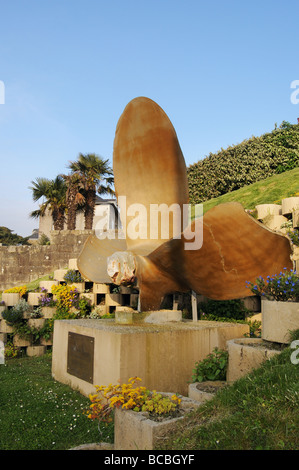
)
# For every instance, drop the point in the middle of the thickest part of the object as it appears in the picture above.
(80, 356)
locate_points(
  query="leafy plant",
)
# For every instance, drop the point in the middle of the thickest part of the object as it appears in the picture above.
(32, 333)
(129, 397)
(11, 350)
(15, 314)
(84, 306)
(281, 287)
(213, 367)
(224, 309)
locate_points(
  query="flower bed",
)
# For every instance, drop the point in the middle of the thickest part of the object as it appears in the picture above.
(142, 417)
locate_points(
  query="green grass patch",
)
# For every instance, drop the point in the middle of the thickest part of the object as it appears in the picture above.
(38, 413)
(269, 191)
(257, 412)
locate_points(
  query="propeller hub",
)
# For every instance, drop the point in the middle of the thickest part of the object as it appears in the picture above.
(121, 267)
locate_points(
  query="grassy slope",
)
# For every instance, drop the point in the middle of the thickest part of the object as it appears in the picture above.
(257, 412)
(268, 191)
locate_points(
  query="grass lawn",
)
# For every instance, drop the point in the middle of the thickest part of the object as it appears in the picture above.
(269, 191)
(38, 413)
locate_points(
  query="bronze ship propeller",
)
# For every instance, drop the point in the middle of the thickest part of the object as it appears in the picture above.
(150, 170)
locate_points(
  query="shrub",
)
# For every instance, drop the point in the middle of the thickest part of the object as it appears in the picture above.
(223, 309)
(213, 367)
(237, 166)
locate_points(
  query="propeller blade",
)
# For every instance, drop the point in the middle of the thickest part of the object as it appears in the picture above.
(236, 248)
(92, 261)
(149, 168)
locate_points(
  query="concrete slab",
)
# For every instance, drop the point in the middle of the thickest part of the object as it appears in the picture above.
(162, 355)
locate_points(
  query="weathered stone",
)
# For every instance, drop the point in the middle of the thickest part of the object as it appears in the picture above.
(204, 391)
(278, 320)
(289, 204)
(35, 350)
(246, 354)
(276, 223)
(264, 210)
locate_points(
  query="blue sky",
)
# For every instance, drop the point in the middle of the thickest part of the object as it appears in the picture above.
(221, 70)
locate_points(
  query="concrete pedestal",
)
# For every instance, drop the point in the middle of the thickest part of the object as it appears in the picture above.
(162, 355)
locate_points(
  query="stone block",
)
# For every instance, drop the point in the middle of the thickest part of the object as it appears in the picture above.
(163, 316)
(246, 354)
(295, 219)
(10, 299)
(135, 431)
(80, 286)
(36, 322)
(101, 288)
(48, 285)
(204, 391)
(33, 298)
(20, 342)
(264, 210)
(5, 327)
(289, 205)
(73, 264)
(276, 223)
(278, 320)
(48, 312)
(36, 350)
(59, 274)
(113, 299)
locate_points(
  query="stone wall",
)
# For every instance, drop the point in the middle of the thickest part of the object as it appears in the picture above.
(22, 264)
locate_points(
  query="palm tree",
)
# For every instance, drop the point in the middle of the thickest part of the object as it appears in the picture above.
(96, 177)
(74, 197)
(54, 194)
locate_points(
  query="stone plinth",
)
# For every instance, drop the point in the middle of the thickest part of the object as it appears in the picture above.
(162, 355)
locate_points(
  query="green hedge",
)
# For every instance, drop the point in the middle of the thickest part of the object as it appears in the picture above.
(252, 160)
